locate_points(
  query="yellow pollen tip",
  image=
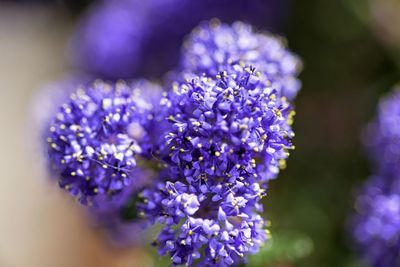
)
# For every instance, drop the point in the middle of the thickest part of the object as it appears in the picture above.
(282, 163)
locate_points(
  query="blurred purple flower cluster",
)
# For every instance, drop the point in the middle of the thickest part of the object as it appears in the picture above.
(131, 38)
(377, 221)
(195, 153)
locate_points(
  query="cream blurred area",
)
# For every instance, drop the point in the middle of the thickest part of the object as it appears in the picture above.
(39, 225)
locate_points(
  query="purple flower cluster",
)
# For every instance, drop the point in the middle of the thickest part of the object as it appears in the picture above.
(382, 137)
(196, 157)
(214, 46)
(106, 42)
(234, 117)
(376, 225)
(130, 38)
(95, 138)
(229, 135)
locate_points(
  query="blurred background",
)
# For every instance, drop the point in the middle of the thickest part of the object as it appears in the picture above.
(351, 54)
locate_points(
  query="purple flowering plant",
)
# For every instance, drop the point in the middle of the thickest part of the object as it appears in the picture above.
(213, 46)
(229, 134)
(196, 157)
(130, 38)
(95, 139)
(376, 223)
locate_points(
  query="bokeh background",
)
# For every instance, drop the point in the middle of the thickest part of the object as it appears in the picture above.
(351, 54)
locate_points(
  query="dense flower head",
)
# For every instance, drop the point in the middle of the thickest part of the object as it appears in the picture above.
(212, 46)
(96, 137)
(228, 136)
(201, 228)
(377, 222)
(231, 122)
(382, 137)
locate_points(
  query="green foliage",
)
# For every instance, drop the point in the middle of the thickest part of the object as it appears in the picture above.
(286, 247)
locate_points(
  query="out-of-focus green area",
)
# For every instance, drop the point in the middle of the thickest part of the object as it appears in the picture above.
(349, 48)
